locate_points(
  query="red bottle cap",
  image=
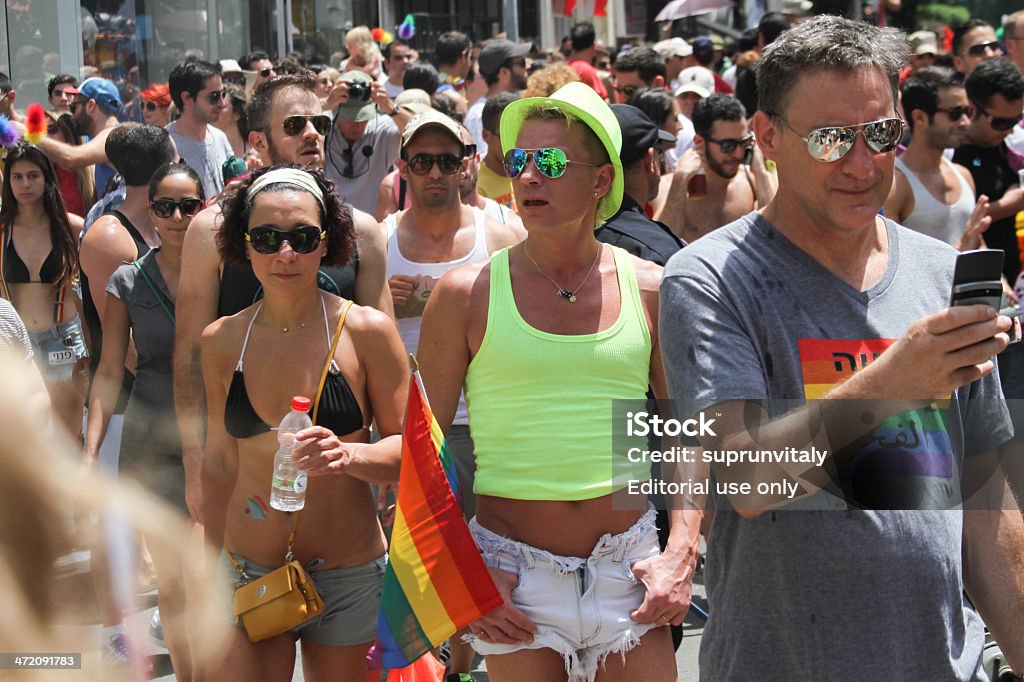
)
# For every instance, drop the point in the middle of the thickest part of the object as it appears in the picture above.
(301, 403)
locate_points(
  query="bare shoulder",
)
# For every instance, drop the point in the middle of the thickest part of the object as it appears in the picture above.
(365, 320)
(107, 234)
(648, 274)
(225, 332)
(463, 280)
(204, 226)
(499, 235)
(77, 223)
(364, 224)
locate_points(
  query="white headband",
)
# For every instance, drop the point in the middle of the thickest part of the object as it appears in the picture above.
(286, 176)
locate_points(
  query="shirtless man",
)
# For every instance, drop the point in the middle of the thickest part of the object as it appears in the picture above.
(734, 184)
(285, 128)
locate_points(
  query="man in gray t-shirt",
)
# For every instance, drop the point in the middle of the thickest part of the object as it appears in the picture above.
(861, 575)
(198, 92)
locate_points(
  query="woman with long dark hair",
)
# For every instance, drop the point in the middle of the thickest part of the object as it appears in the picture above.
(39, 275)
(77, 187)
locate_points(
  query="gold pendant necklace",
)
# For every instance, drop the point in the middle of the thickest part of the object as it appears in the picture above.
(562, 291)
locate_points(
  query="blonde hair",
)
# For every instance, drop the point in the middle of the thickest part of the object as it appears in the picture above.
(545, 81)
(44, 500)
(363, 52)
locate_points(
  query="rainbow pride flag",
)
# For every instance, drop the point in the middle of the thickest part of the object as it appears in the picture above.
(435, 582)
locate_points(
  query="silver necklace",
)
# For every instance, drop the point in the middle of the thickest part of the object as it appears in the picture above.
(569, 295)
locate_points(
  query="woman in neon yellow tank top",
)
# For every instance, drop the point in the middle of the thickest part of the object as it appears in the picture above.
(543, 337)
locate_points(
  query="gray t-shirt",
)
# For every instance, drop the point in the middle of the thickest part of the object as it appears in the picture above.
(836, 593)
(13, 335)
(357, 171)
(205, 156)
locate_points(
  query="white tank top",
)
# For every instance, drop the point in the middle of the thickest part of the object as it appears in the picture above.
(945, 222)
(410, 316)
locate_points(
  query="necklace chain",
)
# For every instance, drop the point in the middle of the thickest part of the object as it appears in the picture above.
(569, 295)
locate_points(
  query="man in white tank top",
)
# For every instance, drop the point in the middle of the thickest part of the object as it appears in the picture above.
(930, 194)
(435, 234)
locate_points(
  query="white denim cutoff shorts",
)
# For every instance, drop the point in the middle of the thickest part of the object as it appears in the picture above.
(581, 605)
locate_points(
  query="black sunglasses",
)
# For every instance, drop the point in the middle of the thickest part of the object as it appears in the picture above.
(296, 123)
(164, 208)
(980, 49)
(267, 240)
(152, 106)
(265, 73)
(216, 96)
(956, 113)
(1000, 123)
(731, 144)
(422, 163)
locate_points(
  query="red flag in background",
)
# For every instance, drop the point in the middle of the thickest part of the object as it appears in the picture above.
(600, 8)
(569, 7)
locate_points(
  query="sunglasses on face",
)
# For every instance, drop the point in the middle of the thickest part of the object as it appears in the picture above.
(234, 80)
(296, 124)
(153, 106)
(627, 91)
(729, 145)
(550, 161)
(217, 95)
(268, 240)
(1000, 123)
(980, 49)
(164, 208)
(422, 163)
(832, 144)
(266, 73)
(956, 113)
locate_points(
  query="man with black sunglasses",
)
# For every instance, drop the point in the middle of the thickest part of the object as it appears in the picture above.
(996, 93)
(817, 323)
(198, 92)
(503, 64)
(974, 42)
(929, 193)
(437, 233)
(735, 178)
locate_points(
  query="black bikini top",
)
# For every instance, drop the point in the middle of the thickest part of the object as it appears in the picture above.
(338, 411)
(16, 272)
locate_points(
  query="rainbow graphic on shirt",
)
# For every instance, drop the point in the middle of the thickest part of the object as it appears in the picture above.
(913, 443)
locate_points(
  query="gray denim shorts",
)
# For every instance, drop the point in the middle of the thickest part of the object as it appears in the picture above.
(351, 600)
(58, 349)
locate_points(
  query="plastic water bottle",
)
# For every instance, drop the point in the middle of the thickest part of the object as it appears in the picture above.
(288, 488)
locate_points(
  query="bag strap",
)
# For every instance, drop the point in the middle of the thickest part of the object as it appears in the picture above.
(152, 287)
(4, 236)
(316, 405)
(330, 358)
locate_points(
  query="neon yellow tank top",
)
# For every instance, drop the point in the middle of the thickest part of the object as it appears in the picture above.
(540, 404)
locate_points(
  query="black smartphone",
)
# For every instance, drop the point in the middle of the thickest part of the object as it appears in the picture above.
(748, 155)
(976, 278)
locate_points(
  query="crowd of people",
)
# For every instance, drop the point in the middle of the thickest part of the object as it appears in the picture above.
(715, 227)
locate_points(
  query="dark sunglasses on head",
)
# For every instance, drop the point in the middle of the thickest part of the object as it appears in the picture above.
(832, 144)
(268, 240)
(731, 144)
(1000, 123)
(164, 208)
(550, 161)
(422, 163)
(980, 49)
(956, 113)
(296, 123)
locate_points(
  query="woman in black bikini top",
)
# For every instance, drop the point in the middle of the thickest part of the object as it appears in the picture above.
(287, 222)
(38, 272)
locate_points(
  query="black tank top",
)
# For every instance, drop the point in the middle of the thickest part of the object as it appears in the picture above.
(92, 316)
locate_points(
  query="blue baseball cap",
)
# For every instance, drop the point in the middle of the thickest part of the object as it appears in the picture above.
(100, 89)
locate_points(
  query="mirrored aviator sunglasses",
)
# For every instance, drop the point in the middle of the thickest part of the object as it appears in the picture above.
(164, 208)
(550, 161)
(295, 124)
(268, 240)
(832, 144)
